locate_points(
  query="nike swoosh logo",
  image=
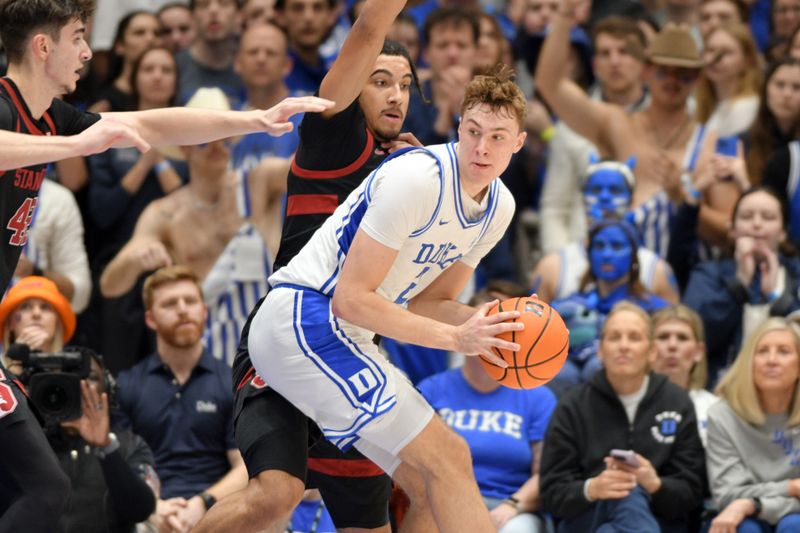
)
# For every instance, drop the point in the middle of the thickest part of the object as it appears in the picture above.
(443, 222)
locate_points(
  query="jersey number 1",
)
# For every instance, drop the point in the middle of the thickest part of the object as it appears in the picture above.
(20, 222)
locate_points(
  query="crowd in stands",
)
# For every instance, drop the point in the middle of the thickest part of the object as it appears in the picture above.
(657, 209)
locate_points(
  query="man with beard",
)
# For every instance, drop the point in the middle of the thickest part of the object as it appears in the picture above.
(179, 400)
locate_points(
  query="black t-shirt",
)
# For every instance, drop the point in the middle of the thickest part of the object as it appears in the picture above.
(19, 187)
(333, 158)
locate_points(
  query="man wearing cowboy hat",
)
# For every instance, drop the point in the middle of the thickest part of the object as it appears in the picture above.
(669, 146)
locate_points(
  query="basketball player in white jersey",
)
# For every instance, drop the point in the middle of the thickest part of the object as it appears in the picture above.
(391, 260)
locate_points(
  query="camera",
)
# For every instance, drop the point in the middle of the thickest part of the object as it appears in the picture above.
(53, 381)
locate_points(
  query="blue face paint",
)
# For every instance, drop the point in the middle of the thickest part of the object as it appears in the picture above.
(606, 195)
(610, 254)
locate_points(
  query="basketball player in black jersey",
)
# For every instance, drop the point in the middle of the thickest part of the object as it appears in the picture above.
(46, 49)
(370, 83)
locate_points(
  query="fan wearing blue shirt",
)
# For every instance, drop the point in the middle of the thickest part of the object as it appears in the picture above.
(504, 429)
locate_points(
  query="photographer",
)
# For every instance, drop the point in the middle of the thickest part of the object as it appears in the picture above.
(109, 471)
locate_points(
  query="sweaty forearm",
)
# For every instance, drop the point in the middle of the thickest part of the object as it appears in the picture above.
(119, 276)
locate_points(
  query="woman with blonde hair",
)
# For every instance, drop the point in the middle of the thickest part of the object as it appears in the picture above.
(680, 354)
(728, 88)
(754, 435)
(35, 313)
(622, 451)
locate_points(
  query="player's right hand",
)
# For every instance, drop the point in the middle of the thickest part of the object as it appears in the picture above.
(108, 133)
(478, 335)
(153, 256)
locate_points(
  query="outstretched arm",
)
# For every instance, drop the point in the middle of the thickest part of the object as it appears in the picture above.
(587, 117)
(22, 150)
(352, 68)
(187, 126)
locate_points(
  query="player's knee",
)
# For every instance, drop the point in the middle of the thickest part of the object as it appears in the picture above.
(412, 484)
(450, 457)
(272, 496)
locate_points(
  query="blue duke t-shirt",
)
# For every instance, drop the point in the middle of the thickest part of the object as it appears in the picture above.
(499, 427)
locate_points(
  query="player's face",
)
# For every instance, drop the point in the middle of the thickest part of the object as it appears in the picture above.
(156, 78)
(783, 94)
(776, 363)
(215, 20)
(725, 57)
(177, 28)
(716, 13)
(606, 194)
(35, 314)
(178, 313)
(624, 346)
(611, 254)
(676, 350)
(451, 45)
(759, 216)
(487, 139)
(384, 100)
(66, 60)
(616, 64)
(307, 22)
(262, 60)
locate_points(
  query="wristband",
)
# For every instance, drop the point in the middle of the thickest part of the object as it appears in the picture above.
(110, 448)
(548, 133)
(162, 166)
(513, 502)
(586, 489)
(758, 507)
(208, 499)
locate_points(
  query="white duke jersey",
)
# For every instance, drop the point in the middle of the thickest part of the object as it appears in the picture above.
(412, 203)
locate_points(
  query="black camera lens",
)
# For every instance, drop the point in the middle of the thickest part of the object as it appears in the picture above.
(53, 398)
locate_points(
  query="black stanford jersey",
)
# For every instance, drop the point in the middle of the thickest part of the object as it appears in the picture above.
(19, 187)
(333, 158)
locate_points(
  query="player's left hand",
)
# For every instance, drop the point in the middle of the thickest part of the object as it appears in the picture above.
(275, 120)
(501, 514)
(404, 140)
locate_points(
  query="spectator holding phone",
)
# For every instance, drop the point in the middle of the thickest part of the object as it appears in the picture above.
(753, 437)
(657, 481)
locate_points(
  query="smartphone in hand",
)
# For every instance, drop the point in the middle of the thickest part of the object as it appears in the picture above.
(727, 146)
(626, 456)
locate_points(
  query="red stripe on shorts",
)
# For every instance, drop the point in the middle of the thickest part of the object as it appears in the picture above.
(311, 204)
(344, 467)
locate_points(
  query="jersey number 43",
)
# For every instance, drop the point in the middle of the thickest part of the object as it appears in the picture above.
(21, 221)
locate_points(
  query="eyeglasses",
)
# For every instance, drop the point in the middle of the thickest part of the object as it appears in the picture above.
(682, 74)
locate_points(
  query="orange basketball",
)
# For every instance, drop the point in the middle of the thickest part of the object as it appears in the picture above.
(544, 344)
